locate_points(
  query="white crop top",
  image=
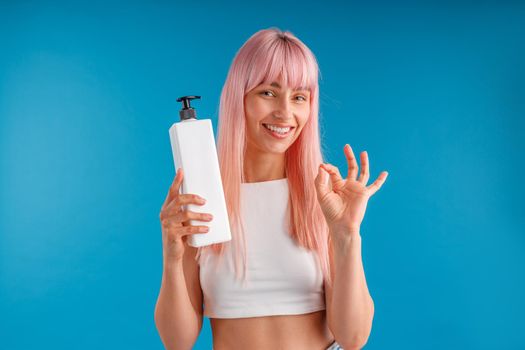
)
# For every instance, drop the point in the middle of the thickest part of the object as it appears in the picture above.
(283, 277)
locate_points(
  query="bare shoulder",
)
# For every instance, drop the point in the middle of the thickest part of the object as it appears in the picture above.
(191, 276)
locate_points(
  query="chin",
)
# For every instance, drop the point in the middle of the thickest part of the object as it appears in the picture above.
(278, 149)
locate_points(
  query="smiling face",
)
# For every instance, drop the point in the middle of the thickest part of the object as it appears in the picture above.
(275, 106)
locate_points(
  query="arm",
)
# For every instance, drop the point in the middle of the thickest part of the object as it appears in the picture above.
(344, 202)
(177, 321)
(352, 309)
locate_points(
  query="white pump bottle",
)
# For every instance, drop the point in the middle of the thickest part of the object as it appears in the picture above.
(194, 150)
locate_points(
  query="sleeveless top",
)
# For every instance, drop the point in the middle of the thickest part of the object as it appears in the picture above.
(283, 277)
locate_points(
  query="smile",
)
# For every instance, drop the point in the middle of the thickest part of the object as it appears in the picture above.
(277, 132)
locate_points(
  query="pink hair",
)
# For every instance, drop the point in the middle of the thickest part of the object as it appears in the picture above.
(264, 57)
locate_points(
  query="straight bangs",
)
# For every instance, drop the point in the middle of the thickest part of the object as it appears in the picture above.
(285, 59)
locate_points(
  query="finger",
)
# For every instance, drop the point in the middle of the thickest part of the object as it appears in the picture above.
(185, 228)
(335, 176)
(377, 183)
(177, 204)
(174, 188)
(364, 175)
(321, 183)
(352, 164)
(188, 215)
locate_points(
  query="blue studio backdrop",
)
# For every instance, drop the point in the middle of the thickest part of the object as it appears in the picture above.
(434, 91)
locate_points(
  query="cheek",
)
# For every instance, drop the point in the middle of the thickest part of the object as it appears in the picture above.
(250, 113)
(253, 110)
(304, 119)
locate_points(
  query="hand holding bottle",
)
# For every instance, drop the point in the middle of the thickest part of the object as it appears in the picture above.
(175, 220)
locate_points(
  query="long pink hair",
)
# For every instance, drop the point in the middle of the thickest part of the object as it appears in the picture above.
(265, 56)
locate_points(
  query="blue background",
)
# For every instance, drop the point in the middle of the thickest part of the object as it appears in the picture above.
(434, 92)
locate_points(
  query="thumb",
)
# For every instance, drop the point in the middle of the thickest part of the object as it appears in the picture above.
(321, 182)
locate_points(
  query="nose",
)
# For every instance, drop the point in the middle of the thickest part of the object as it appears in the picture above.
(284, 110)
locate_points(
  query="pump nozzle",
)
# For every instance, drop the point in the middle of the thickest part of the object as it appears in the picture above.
(187, 111)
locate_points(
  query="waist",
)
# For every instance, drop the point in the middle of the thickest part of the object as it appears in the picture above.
(306, 331)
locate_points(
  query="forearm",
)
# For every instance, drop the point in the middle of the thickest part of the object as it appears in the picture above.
(353, 308)
(176, 320)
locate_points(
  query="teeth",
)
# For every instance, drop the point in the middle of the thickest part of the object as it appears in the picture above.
(276, 129)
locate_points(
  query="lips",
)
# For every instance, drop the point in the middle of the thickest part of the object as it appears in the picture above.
(276, 134)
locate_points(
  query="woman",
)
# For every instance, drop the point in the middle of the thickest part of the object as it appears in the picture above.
(296, 234)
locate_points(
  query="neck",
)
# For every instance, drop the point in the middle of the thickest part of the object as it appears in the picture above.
(263, 166)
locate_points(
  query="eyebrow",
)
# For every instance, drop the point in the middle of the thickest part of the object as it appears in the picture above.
(275, 84)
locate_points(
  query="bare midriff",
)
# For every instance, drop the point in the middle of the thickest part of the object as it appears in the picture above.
(306, 331)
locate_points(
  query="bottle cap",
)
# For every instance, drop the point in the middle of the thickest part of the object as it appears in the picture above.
(187, 111)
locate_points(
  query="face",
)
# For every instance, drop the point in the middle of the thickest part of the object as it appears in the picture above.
(275, 106)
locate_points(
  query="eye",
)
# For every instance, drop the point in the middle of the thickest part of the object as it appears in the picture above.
(265, 91)
(304, 98)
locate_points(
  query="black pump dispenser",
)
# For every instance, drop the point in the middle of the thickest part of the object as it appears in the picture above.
(187, 112)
